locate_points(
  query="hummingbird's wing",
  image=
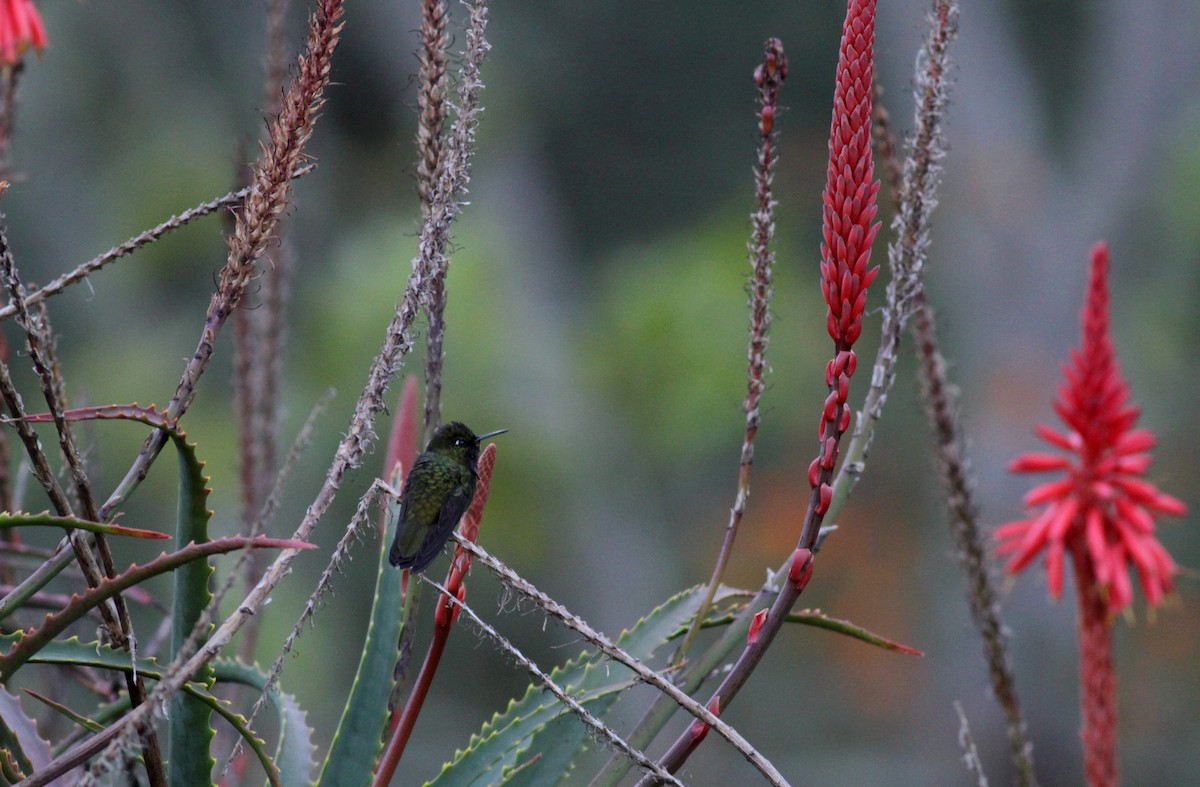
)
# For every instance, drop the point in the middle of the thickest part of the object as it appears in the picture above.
(452, 511)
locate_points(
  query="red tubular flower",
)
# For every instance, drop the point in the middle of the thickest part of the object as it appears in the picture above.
(20, 28)
(1102, 511)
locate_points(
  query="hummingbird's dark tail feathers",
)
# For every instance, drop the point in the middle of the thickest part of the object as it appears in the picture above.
(418, 561)
(398, 559)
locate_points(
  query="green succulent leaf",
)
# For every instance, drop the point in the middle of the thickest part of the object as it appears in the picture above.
(190, 732)
(46, 519)
(295, 756)
(24, 749)
(359, 737)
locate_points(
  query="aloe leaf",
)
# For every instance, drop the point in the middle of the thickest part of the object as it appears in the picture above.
(19, 737)
(190, 732)
(295, 756)
(46, 519)
(815, 617)
(62, 710)
(359, 737)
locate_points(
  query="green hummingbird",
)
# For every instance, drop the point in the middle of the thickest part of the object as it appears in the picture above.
(436, 494)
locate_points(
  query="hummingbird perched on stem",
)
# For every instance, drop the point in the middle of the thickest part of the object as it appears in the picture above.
(437, 492)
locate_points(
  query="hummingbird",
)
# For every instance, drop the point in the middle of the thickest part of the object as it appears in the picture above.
(437, 492)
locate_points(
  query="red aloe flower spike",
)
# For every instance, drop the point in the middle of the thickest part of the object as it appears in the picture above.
(848, 226)
(1101, 514)
(20, 28)
(1102, 502)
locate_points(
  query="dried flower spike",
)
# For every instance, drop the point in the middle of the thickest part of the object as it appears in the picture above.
(1102, 511)
(20, 28)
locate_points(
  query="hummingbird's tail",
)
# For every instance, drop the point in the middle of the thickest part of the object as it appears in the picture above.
(397, 558)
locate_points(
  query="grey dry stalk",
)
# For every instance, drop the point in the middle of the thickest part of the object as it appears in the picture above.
(436, 179)
(259, 335)
(270, 190)
(133, 244)
(917, 196)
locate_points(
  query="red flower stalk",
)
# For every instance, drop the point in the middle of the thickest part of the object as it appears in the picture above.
(20, 28)
(1102, 514)
(848, 230)
(1103, 511)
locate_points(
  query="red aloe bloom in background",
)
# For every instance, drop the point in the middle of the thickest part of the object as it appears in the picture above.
(1102, 511)
(20, 28)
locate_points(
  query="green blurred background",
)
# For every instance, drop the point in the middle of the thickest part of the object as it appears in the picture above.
(597, 309)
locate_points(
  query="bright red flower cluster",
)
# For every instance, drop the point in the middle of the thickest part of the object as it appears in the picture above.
(20, 28)
(1102, 511)
(848, 230)
(849, 198)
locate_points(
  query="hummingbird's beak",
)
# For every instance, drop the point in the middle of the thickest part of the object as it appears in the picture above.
(483, 437)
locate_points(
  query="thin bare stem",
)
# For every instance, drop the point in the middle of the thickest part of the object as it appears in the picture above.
(906, 295)
(259, 336)
(769, 77)
(136, 242)
(958, 489)
(9, 78)
(970, 755)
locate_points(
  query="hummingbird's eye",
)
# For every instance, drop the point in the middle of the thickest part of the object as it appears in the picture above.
(460, 441)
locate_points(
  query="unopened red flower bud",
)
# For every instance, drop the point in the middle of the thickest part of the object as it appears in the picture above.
(756, 624)
(801, 569)
(814, 473)
(824, 499)
(767, 122)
